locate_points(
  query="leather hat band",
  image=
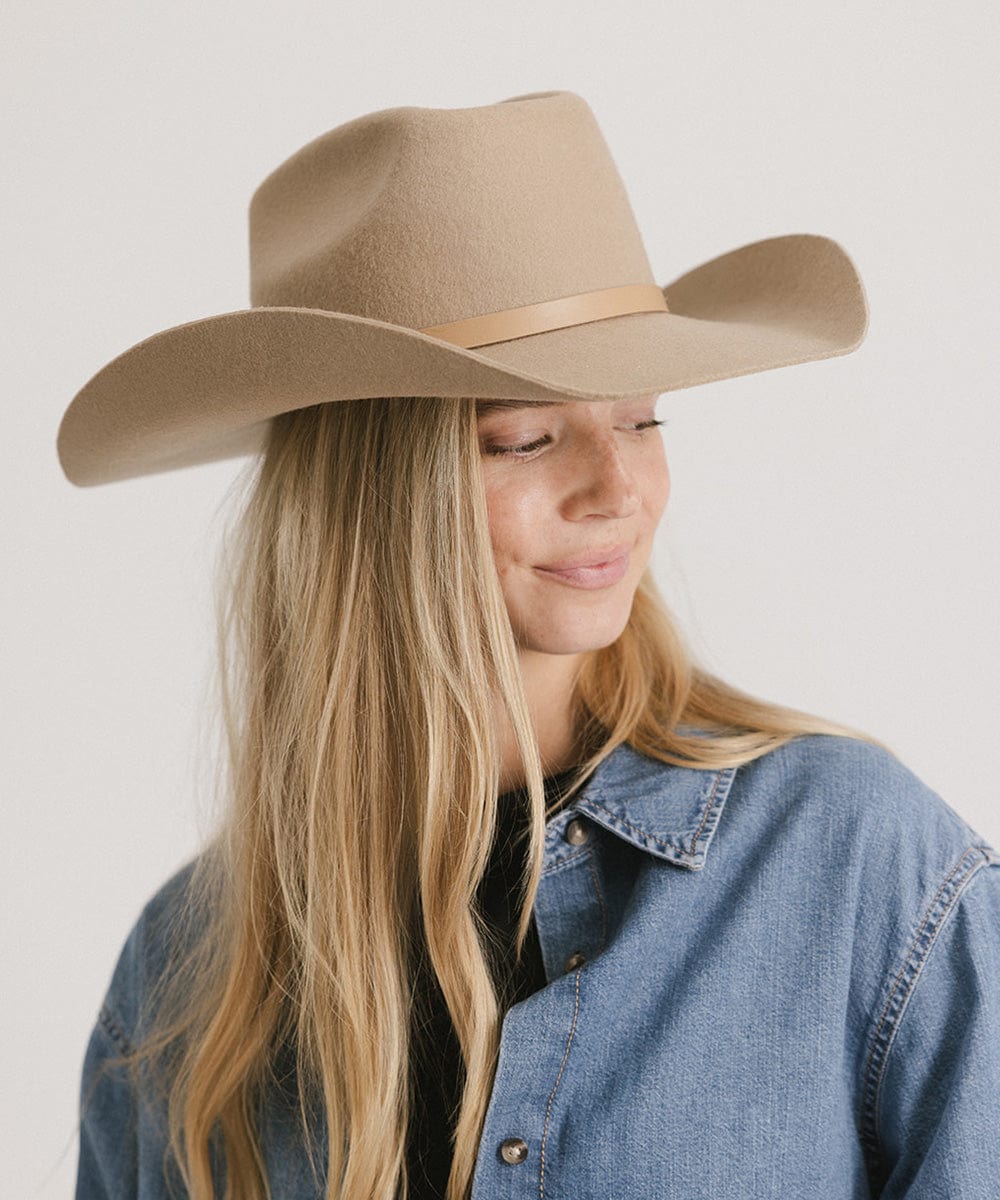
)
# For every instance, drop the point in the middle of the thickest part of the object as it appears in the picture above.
(551, 314)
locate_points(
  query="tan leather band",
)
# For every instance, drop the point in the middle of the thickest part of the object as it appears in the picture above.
(551, 314)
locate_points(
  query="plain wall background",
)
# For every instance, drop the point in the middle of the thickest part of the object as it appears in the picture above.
(831, 538)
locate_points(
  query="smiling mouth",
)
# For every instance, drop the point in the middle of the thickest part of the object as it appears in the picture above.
(600, 558)
(591, 577)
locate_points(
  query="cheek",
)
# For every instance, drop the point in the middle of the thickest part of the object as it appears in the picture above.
(510, 526)
(522, 515)
(657, 484)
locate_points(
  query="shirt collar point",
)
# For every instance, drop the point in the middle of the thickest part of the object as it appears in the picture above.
(669, 811)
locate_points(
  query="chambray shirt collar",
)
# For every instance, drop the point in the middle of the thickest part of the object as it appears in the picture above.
(669, 811)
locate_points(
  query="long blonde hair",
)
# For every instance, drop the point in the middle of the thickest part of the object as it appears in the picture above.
(365, 653)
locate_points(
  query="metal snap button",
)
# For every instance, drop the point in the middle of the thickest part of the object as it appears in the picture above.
(574, 961)
(576, 831)
(514, 1150)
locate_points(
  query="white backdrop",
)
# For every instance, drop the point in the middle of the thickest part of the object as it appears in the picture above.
(831, 538)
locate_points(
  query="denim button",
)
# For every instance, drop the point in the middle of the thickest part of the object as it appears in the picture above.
(514, 1150)
(574, 961)
(576, 831)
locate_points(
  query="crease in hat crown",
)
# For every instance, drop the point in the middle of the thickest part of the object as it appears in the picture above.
(423, 217)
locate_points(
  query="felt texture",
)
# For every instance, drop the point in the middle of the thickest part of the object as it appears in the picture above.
(411, 217)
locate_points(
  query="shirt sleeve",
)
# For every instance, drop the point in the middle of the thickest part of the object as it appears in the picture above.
(107, 1167)
(938, 1103)
(123, 1128)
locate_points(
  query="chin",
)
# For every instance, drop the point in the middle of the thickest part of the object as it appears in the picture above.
(575, 634)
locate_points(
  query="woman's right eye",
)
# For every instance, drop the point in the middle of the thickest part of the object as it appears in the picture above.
(517, 451)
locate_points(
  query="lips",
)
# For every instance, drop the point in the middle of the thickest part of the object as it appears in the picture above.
(593, 578)
(595, 559)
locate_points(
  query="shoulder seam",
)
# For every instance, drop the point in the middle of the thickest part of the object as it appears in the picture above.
(112, 1027)
(941, 906)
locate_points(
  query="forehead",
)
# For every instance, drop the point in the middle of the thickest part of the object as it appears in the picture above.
(487, 406)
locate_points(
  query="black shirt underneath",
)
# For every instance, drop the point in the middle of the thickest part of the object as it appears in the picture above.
(437, 1058)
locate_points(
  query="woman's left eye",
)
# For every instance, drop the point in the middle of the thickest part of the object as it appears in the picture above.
(528, 447)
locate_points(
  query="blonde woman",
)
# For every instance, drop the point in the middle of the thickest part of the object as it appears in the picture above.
(511, 897)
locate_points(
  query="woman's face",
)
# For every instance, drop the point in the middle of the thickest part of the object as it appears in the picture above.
(568, 482)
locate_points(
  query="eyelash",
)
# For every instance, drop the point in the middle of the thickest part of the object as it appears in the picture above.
(523, 451)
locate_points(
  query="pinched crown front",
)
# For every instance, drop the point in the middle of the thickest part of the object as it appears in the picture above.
(423, 216)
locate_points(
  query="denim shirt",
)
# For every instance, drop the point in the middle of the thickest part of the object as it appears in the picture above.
(775, 980)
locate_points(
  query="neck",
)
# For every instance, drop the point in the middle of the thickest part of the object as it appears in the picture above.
(548, 685)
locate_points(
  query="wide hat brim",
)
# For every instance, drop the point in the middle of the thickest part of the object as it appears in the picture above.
(206, 390)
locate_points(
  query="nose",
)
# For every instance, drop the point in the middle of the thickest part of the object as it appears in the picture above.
(605, 483)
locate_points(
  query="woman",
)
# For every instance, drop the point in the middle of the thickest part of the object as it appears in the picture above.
(510, 896)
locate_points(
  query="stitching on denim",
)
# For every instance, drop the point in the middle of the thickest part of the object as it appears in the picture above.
(666, 843)
(567, 860)
(946, 895)
(883, 1039)
(642, 835)
(113, 1029)
(555, 1086)
(710, 804)
(600, 900)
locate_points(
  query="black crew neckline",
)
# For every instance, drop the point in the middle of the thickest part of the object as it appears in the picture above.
(551, 784)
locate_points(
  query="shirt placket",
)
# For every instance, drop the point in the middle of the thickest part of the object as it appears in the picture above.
(518, 1154)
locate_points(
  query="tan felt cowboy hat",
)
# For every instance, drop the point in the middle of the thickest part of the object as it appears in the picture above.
(488, 252)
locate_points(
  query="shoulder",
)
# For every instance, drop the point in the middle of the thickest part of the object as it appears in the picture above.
(855, 831)
(860, 794)
(162, 929)
(862, 833)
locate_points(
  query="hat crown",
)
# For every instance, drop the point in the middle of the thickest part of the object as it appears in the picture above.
(421, 216)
